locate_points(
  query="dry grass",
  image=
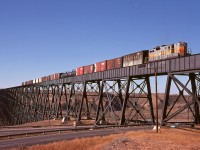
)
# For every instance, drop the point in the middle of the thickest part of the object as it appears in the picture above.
(55, 122)
(44, 123)
(166, 139)
(77, 144)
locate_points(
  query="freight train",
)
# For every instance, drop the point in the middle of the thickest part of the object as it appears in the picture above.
(158, 53)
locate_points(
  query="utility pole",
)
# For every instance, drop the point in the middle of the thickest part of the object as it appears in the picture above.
(156, 89)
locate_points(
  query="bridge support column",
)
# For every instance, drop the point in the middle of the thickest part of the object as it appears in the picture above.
(69, 91)
(166, 99)
(100, 104)
(192, 77)
(137, 102)
(189, 97)
(122, 121)
(149, 97)
(84, 96)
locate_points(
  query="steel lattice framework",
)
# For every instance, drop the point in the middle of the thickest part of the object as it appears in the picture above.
(191, 98)
(115, 97)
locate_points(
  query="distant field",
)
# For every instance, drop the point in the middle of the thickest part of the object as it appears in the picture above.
(167, 138)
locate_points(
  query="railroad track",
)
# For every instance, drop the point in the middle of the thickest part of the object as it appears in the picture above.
(38, 132)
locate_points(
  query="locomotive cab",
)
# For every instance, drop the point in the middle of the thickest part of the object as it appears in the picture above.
(181, 48)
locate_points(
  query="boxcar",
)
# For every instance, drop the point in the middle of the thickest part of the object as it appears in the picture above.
(101, 66)
(114, 63)
(79, 71)
(135, 58)
(88, 69)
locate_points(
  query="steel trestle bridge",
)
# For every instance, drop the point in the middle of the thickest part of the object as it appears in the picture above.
(115, 97)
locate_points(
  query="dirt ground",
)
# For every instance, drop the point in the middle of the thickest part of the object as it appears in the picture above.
(146, 143)
(166, 139)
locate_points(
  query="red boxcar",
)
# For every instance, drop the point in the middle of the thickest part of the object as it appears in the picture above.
(114, 63)
(101, 66)
(46, 78)
(110, 64)
(57, 76)
(79, 71)
(88, 69)
(118, 62)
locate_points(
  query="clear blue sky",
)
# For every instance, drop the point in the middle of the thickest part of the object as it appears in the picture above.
(41, 37)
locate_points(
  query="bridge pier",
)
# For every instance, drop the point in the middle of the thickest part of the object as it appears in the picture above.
(138, 106)
(190, 97)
